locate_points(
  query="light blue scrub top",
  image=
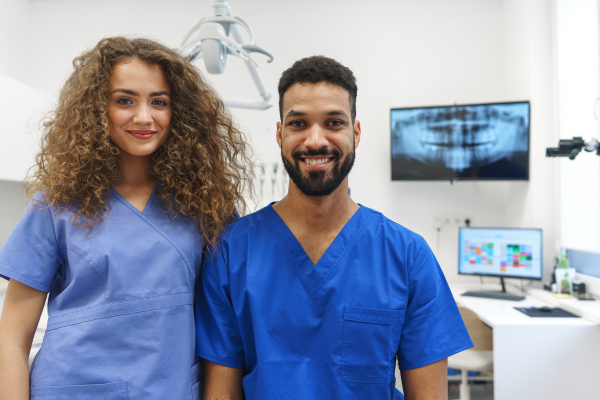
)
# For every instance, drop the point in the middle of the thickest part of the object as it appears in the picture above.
(331, 330)
(121, 319)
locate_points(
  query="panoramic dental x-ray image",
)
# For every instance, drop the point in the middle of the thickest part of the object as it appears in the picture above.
(484, 141)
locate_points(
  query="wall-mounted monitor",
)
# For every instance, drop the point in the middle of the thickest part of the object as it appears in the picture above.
(461, 142)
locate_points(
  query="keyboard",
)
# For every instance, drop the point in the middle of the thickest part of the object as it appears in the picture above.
(494, 295)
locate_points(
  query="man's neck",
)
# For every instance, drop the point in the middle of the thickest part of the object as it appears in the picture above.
(315, 221)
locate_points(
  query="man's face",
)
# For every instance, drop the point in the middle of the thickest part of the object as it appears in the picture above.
(317, 137)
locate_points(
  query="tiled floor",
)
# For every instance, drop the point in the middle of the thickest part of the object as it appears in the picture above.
(479, 391)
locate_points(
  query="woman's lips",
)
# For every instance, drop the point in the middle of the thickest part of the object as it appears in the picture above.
(141, 134)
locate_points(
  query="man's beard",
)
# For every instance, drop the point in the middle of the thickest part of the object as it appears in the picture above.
(316, 184)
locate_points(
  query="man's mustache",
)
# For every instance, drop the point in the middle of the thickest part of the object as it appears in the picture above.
(315, 152)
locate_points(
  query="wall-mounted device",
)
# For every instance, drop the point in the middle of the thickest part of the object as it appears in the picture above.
(461, 142)
(209, 39)
(572, 147)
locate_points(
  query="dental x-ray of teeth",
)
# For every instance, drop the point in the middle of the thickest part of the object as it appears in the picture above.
(480, 141)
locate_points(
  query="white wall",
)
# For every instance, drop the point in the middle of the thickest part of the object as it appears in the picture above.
(578, 64)
(403, 52)
(13, 202)
(14, 40)
(578, 76)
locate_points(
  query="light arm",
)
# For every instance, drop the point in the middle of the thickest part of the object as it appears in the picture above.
(21, 313)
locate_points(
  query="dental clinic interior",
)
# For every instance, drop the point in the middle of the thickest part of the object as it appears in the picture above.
(480, 125)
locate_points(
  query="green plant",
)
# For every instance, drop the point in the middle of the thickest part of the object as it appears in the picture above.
(565, 286)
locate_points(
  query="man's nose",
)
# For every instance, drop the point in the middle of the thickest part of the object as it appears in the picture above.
(316, 137)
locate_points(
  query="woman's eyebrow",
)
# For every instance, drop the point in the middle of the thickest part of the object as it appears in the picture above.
(126, 91)
(163, 93)
(134, 93)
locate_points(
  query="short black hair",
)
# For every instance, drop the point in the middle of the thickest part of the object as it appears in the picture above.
(317, 69)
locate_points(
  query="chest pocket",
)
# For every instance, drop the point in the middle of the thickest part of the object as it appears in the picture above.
(370, 339)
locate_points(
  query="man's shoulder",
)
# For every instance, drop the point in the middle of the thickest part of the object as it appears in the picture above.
(250, 222)
(389, 227)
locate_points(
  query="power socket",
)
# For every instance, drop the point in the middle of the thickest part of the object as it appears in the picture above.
(450, 221)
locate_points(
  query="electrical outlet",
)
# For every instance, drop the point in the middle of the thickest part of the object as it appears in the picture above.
(450, 221)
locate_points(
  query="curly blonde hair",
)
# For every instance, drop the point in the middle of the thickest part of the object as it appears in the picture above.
(203, 169)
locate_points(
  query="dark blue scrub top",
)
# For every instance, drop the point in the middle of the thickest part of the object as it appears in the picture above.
(327, 331)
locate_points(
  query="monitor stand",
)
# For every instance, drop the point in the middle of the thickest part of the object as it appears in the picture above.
(494, 294)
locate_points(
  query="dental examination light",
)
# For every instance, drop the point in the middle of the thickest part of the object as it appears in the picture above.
(209, 39)
(571, 147)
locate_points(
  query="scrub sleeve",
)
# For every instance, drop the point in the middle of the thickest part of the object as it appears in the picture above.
(30, 255)
(432, 328)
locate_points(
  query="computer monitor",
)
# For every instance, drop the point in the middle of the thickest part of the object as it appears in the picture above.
(500, 252)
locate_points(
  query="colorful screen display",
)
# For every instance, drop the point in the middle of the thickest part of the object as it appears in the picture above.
(477, 141)
(506, 252)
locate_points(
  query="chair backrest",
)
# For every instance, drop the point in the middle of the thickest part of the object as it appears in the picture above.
(480, 333)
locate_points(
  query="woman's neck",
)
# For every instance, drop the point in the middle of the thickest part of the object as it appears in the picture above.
(135, 172)
(136, 181)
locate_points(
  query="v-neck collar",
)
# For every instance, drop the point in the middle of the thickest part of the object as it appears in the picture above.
(147, 216)
(147, 207)
(315, 275)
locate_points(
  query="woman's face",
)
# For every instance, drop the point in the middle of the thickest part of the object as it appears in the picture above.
(139, 107)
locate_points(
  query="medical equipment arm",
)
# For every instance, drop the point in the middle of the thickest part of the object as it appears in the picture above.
(213, 44)
(572, 147)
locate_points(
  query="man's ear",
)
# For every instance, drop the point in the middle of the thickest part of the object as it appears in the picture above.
(356, 133)
(278, 134)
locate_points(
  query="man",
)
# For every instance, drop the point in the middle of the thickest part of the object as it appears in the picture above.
(315, 296)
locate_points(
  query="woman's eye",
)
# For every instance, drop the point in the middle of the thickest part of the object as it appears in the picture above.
(124, 101)
(159, 102)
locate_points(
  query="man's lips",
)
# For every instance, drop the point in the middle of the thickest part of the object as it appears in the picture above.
(316, 160)
(141, 134)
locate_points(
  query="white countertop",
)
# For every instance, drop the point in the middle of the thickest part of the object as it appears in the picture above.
(496, 312)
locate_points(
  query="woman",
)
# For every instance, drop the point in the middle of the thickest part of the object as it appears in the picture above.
(140, 170)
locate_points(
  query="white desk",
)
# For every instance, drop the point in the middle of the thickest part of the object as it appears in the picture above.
(539, 358)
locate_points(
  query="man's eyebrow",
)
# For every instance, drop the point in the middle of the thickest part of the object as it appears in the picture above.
(337, 112)
(293, 113)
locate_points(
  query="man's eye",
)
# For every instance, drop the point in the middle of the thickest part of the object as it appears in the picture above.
(296, 123)
(124, 101)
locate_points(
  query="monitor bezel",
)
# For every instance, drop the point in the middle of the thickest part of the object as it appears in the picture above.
(460, 229)
(458, 178)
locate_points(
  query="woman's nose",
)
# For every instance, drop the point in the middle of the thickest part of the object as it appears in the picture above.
(142, 115)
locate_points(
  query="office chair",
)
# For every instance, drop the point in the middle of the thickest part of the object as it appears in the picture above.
(478, 358)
